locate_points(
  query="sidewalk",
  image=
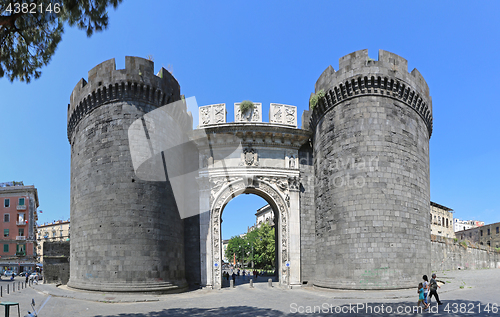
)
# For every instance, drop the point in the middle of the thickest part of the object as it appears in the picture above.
(452, 284)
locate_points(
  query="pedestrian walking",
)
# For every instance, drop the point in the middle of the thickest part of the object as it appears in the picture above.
(433, 289)
(421, 296)
(234, 278)
(426, 287)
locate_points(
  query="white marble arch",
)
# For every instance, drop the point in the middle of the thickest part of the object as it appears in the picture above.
(283, 196)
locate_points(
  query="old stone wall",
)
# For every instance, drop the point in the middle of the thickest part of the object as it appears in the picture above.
(371, 160)
(307, 215)
(56, 262)
(446, 254)
(127, 233)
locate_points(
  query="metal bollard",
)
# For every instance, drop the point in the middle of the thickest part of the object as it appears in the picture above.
(231, 283)
(251, 283)
(1, 291)
(7, 289)
(270, 282)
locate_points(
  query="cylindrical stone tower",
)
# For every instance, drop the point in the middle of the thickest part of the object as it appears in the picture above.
(371, 158)
(126, 232)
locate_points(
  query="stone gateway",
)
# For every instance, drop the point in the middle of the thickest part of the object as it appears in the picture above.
(350, 189)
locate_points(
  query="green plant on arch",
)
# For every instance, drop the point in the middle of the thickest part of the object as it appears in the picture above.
(246, 106)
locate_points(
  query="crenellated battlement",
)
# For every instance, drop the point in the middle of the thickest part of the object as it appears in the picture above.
(360, 75)
(107, 84)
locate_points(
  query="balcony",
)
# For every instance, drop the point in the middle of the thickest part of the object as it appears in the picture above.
(20, 253)
(21, 207)
(21, 223)
(20, 238)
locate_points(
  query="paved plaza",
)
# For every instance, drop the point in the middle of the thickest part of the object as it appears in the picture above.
(471, 292)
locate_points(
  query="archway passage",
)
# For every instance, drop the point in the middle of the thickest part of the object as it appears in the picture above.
(249, 241)
(283, 199)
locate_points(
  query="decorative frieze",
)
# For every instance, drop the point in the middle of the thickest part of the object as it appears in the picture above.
(283, 114)
(212, 114)
(253, 115)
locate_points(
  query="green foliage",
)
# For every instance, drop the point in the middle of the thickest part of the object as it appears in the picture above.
(315, 98)
(234, 247)
(264, 247)
(29, 38)
(464, 244)
(257, 246)
(246, 106)
(455, 240)
(497, 250)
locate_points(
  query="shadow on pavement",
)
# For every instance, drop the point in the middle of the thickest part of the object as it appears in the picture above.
(455, 308)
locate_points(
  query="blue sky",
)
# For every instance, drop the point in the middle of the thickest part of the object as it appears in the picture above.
(274, 51)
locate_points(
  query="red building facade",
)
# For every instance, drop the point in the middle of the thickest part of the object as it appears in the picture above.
(18, 211)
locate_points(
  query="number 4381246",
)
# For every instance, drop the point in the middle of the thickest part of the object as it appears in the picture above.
(33, 8)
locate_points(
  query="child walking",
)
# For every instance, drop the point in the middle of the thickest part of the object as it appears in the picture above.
(421, 296)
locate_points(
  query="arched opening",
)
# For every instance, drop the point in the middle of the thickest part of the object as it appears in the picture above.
(249, 240)
(279, 201)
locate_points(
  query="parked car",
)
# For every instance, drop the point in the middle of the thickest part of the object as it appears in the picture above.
(36, 276)
(23, 273)
(9, 273)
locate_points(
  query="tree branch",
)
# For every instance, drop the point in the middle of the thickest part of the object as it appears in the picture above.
(9, 20)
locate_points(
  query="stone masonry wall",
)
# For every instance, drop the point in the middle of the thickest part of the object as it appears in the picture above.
(371, 160)
(56, 262)
(307, 215)
(126, 233)
(449, 255)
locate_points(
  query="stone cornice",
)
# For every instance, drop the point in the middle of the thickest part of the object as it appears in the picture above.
(258, 134)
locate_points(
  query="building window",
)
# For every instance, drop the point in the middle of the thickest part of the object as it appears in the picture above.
(488, 231)
(21, 232)
(5, 232)
(5, 248)
(21, 249)
(21, 201)
(497, 230)
(61, 233)
(447, 224)
(6, 202)
(6, 218)
(481, 233)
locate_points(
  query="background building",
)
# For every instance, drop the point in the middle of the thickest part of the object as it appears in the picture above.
(484, 235)
(19, 216)
(263, 214)
(56, 231)
(459, 225)
(442, 221)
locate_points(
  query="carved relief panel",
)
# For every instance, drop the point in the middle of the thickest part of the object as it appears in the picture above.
(254, 115)
(212, 114)
(283, 114)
